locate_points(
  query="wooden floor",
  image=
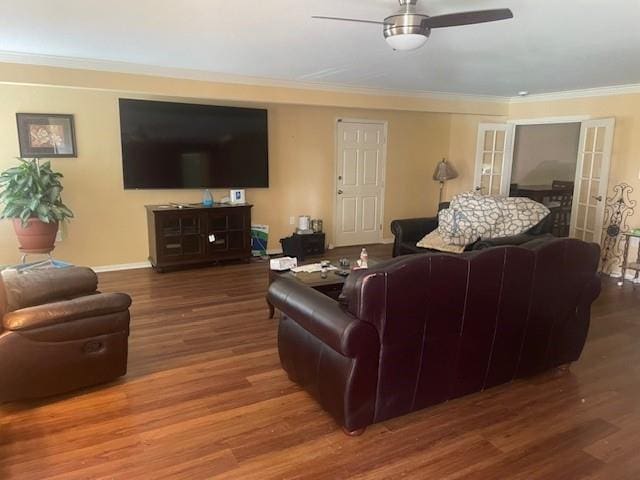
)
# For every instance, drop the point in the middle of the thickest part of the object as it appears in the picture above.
(205, 397)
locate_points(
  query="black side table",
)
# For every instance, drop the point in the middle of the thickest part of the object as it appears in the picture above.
(300, 246)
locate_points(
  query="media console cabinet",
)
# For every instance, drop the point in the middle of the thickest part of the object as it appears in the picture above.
(181, 237)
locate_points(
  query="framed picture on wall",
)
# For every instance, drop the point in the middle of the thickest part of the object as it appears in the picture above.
(46, 135)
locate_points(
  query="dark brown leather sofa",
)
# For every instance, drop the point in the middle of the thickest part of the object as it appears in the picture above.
(409, 231)
(422, 329)
(58, 333)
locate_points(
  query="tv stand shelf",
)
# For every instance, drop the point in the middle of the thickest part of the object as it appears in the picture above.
(194, 234)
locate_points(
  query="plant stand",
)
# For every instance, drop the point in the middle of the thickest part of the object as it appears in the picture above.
(626, 264)
(48, 262)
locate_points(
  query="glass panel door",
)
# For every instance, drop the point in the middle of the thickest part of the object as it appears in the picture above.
(492, 167)
(592, 175)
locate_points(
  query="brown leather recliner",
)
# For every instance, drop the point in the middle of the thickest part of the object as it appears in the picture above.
(422, 329)
(58, 333)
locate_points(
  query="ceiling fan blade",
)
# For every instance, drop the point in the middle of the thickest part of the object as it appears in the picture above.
(348, 20)
(467, 18)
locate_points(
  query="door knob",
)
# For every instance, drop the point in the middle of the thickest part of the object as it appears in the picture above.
(598, 198)
(478, 189)
(340, 192)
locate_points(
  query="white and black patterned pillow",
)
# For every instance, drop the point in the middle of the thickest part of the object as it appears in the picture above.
(471, 217)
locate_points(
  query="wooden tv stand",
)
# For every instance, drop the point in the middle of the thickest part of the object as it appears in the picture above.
(194, 234)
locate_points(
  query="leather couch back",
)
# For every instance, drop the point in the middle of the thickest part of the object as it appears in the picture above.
(455, 324)
(21, 290)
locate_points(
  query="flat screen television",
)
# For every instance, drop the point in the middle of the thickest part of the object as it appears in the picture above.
(182, 145)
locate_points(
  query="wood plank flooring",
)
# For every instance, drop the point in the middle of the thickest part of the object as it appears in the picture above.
(205, 398)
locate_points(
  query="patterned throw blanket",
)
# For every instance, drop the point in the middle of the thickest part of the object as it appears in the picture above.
(471, 217)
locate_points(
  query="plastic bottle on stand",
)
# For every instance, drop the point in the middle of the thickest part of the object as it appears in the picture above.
(364, 258)
(207, 199)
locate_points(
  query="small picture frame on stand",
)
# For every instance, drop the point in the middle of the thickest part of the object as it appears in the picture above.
(236, 197)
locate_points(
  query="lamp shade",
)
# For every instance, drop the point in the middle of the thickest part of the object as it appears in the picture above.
(406, 41)
(444, 171)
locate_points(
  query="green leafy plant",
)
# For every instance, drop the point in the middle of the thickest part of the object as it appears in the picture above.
(33, 190)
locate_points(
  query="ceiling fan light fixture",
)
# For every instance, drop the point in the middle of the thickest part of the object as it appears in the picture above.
(406, 41)
(408, 29)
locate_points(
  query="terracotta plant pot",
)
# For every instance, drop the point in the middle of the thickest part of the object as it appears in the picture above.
(37, 236)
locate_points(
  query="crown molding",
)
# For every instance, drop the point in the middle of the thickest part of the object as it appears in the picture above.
(202, 75)
(581, 93)
(549, 120)
(78, 63)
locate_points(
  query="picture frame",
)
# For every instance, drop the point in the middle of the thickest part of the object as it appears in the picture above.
(236, 197)
(46, 135)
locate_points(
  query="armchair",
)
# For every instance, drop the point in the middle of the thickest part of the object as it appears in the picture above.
(58, 333)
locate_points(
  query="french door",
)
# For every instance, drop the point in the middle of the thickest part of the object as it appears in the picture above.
(493, 158)
(361, 152)
(592, 178)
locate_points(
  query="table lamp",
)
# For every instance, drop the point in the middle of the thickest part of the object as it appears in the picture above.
(444, 171)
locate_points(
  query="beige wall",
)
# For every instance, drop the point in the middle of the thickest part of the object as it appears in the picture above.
(544, 153)
(110, 223)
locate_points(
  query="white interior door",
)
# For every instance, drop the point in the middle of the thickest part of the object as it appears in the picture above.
(592, 178)
(360, 170)
(494, 152)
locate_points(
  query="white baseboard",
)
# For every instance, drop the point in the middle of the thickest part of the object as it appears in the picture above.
(121, 266)
(383, 241)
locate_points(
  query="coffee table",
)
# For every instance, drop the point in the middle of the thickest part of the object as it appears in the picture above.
(331, 286)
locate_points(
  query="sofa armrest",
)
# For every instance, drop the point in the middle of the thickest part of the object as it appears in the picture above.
(322, 317)
(43, 286)
(413, 229)
(59, 312)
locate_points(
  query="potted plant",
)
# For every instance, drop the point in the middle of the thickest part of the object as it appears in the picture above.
(30, 194)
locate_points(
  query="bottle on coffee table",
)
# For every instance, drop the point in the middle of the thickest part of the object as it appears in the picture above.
(364, 259)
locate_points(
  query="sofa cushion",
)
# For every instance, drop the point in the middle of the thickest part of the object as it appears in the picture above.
(434, 241)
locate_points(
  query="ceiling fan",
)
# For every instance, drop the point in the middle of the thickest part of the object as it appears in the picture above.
(409, 29)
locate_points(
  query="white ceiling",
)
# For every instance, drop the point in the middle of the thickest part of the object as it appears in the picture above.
(550, 45)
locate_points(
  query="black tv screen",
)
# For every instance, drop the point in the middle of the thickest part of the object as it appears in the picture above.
(181, 145)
